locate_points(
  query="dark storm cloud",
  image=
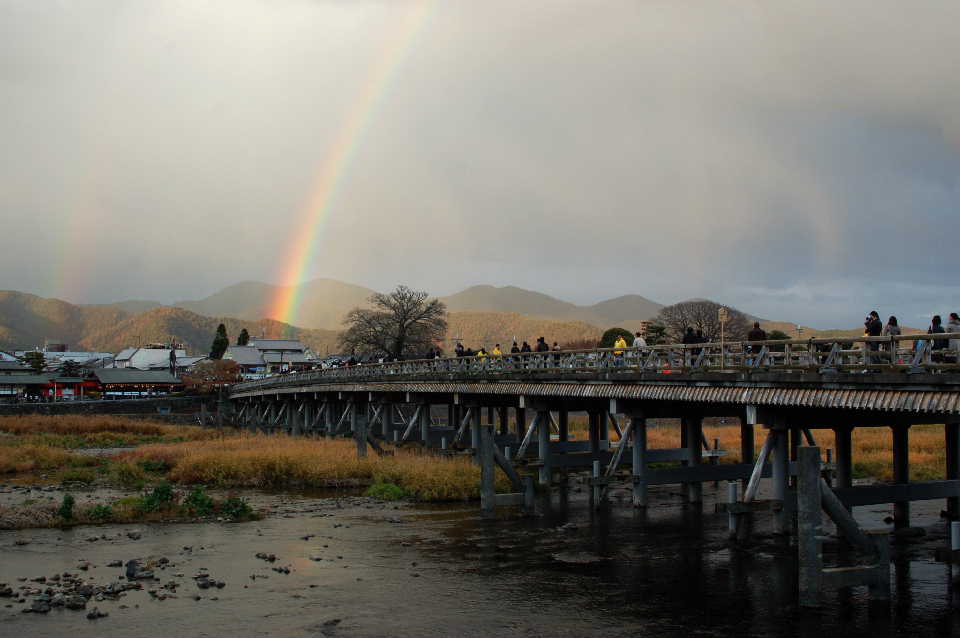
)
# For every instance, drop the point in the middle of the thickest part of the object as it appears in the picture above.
(800, 161)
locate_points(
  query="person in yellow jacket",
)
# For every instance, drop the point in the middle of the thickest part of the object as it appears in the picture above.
(497, 352)
(620, 344)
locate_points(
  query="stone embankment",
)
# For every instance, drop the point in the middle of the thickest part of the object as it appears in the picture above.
(169, 409)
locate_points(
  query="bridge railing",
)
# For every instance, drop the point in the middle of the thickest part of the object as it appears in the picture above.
(902, 353)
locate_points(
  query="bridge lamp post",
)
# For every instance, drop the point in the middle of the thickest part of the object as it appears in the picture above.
(722, 317)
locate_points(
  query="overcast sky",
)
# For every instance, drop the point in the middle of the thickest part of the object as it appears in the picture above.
(798, 160)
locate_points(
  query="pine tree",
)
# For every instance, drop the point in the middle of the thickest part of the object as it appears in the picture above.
(35, 360)
(220, 343)
(244, 338)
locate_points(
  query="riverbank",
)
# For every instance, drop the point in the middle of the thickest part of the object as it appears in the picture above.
(165, 473)
(327, 566)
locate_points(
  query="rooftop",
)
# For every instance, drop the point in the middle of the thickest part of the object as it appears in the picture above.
(133, 375)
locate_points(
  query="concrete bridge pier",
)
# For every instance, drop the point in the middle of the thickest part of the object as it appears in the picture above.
(952, 443)
(780, 473)
(693, 434)
(640, 460)
(901, 473)
(843, 435)
(503, 416)
(543, 445)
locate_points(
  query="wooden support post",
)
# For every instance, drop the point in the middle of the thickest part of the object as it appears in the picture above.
(781, 469)
(952, 442)
(504, 421)
(732, 498)
(844, 440)
(640, 495)
(305, 423)
(386, 421)
(747, 445)
(488, 495)
(694, 428)
(615, 424)
(528, 436)
(795, 443)
(328, 417)
(901, 473)
(451, 415)
(563, 426)
(603, 426)
(521, 415)
(594, 433)
(475, 427)
(358, 424)
(464, 424)
(425, 424)
(808, 526)
(843, 519)
(543, 446)
(595, 492)
(414, 420)
(490, 413)
(684, 443)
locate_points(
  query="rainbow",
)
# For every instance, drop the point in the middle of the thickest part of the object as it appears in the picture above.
(300, 255)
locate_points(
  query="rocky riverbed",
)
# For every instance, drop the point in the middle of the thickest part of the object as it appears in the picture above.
(338, 565)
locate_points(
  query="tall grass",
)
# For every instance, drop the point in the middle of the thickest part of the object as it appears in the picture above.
(283, 461)
(872, 447)
(28, 458)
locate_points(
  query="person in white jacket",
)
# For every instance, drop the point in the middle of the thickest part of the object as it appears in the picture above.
(953, 326)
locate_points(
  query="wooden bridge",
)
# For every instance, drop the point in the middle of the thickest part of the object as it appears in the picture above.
(514, 411)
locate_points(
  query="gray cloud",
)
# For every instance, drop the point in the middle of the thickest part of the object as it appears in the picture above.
(800, 162)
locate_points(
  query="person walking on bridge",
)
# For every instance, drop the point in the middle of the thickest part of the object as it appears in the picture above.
(620, 346)
(937, 345)
(872, 328)
(756, 334)
(953, 327)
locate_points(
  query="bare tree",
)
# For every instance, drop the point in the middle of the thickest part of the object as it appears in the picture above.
(702, 314)
(403, 323)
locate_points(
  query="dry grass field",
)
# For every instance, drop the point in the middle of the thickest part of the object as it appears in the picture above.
(872, 447)
(282, 461)
(79, 431)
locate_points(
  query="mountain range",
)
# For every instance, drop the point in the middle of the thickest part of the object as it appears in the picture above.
(324, 302)
(478, 315)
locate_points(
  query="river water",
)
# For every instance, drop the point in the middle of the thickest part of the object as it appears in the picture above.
(375, 570)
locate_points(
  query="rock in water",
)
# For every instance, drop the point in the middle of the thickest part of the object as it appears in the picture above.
(132, 568)
(96, 613)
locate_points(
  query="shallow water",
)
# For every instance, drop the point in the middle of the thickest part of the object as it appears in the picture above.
(429, 571)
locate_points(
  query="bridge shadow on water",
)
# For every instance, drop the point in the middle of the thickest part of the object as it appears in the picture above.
(670, 571)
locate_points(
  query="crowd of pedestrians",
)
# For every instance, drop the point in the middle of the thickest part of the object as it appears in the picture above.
(623, 349)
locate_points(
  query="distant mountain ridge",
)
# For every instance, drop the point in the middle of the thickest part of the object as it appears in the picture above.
(324, 302)
(28, 321)
(480, 316)
(605, 314)
(322, 305)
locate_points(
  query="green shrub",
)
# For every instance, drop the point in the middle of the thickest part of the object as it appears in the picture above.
(77, 475)
(387, 492)
(157, 467)
(161, 497)
(198, 502)
(235, 507)
(128, 475)
(66, 507)
(100, 513)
